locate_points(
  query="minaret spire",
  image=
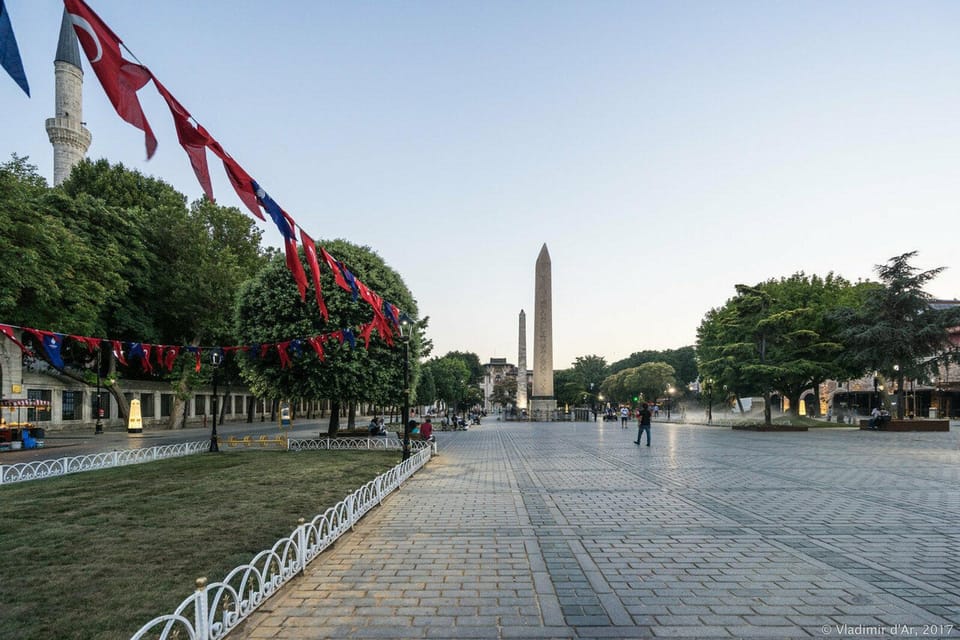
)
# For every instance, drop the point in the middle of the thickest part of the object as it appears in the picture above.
(70, 139)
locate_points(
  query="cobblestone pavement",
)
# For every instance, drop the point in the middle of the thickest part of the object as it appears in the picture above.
(573, 531)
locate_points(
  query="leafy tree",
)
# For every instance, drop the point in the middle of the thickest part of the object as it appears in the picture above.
(54, 277)
(778, 335)
(269, 310)
(683, 361)
(896, 331)
(568, 387)
(472, 361)
(426, 387)
(451, 374)
(591, 370)
(504, 391)
(181, 267)
(652, 379)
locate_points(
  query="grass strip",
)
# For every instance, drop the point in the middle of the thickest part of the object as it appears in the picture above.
(96, 555)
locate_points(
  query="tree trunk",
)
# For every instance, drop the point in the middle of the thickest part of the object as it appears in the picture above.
(795, 405)
(351, 414)
(251, 408)
(767, 418)
(334, 424)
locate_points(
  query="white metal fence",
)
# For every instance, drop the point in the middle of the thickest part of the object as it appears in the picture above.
(217, 608)
(37, 469)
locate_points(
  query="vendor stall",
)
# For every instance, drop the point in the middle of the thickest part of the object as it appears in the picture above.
(16, 430)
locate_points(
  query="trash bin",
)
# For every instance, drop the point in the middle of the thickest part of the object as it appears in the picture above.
(932, 413)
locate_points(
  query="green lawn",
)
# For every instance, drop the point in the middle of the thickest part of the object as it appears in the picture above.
(96, 555)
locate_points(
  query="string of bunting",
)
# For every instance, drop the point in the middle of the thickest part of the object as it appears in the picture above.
(164, 355)
(121, 79)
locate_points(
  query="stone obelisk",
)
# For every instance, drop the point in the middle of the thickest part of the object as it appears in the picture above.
(522, 364)
(543, 405)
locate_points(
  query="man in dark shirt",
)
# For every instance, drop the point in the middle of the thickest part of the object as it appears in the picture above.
(644, 425)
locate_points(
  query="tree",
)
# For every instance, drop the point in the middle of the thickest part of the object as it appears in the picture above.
(181, 267)
(472, 361)
(896, 331)
(568, 387)
(451, 376)
(426, 388)
(591, 370)
(269, 310)
(778, 335)
(652, 379)
(504, 391)
(683, 361)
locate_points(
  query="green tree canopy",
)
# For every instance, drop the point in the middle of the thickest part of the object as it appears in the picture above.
(451, 375)
(269, 310)
(683, 361)
(896, 331)
(778, 335)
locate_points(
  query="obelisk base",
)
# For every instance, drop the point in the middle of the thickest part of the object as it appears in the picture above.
(543, 409)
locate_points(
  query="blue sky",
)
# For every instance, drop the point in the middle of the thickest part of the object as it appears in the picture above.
(664, 151)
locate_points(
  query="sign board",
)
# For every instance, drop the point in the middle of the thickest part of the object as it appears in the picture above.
(135, 422)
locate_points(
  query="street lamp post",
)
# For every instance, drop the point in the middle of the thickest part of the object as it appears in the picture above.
(709, 401)
(405, 330)
(670, 391)
(98, 426)
(214, 441)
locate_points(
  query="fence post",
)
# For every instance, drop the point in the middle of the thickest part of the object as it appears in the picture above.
(201, 616)
(302, 545)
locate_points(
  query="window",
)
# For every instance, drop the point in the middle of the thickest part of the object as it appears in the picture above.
(227, 405)
(39, 414)
(147, 410)
(200, 405)
(71, 405)
(238, 404)
(166, 404)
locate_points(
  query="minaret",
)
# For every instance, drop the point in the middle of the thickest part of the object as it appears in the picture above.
(70, 139)
(522, 364)
(543, 405)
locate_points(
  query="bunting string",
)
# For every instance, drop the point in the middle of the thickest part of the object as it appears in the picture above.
(165, 356)
(122, 78)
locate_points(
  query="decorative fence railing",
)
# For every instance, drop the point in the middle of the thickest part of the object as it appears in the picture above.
(217, 608)
(37, 469)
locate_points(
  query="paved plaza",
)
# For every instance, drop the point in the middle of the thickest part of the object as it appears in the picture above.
(572, 531)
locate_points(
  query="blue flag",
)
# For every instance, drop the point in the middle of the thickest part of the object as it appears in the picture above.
(9, 53)
(51, 344)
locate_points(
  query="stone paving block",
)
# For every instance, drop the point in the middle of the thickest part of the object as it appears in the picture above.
(567, 531)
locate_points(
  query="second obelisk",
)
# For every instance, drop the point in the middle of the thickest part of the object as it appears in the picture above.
(543, 406)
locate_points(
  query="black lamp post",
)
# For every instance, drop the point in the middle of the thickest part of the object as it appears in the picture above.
(405, 330)
(709, 401)
(669, 401)
(215, 363)
(98, 427)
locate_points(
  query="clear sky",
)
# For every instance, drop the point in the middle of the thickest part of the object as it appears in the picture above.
(663, 150)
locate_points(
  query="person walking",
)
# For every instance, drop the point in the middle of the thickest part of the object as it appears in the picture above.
(644, 423)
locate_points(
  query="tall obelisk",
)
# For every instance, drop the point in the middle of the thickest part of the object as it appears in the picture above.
(522, 364)
(543, 405)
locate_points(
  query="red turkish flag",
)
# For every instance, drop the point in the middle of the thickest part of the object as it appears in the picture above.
(121, 79)
(193, 139)
(310, 249)
(240, 179)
